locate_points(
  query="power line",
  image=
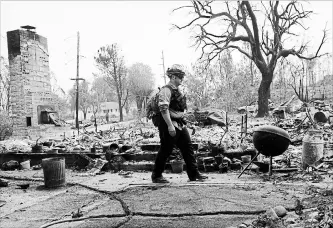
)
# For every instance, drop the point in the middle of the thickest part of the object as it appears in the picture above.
(69, 61)
(66, 52)
(69, 37)
(81, 56)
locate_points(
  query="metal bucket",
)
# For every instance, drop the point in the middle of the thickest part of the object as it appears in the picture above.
(54, 172)
(313, 148)
(177, 167)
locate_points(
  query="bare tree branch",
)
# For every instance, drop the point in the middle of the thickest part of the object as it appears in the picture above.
(264, 41)
(285, 52)
(187, 25)
(182, 7)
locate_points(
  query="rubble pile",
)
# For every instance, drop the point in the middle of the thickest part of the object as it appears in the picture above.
(224, 145)
(16, 145)
(313, 211)
(230, 132)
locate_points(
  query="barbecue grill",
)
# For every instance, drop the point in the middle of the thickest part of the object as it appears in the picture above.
(270, 141)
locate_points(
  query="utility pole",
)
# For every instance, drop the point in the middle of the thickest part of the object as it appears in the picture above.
(77, 82)
(163, 69)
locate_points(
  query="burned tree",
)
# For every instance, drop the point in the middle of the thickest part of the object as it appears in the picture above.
(201, 85)
(241, 23)
(299, 81)
(112, 66)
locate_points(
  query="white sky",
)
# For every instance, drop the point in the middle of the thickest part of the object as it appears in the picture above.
(141, 28)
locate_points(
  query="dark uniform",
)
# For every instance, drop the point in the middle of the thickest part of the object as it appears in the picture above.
(171, 98)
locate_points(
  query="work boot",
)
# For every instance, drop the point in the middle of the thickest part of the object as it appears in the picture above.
(160, 180)
(198, 177)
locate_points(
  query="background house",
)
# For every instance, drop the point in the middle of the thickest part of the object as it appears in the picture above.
(111, 107)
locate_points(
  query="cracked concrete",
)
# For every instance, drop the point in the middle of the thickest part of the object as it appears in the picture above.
(199, 200)
(110, 200)
(59, 206)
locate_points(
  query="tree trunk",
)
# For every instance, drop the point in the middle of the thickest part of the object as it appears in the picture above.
(84, 115)
(127, 108)
(139, 101)
(121, 118)
(95, 124)
(263, 94)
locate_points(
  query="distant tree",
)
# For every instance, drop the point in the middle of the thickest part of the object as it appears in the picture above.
(234, 83)
(71, 98)
(281, 90)
(200, 86)
(6, 122)
(105, 92)
(84, 97)
(222, 85)
(4, 85)
(248, 77)
(310, 65)
(245, 22)
(55, 87)
(226, 71)
(60, 98)
(111, 64)
(61, 105)
(302, 79)
(140, 82)
(324, 76)
(96, 98)
(6, 126)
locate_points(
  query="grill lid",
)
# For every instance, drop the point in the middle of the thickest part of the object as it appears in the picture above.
(273, 130)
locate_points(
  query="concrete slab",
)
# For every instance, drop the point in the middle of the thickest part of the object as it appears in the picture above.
(111, 200)
(15, 198)
(200, 200)
(104, 208)
(61, 206)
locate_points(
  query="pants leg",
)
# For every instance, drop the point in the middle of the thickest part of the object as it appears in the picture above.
(167, 144)
(185, 145)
